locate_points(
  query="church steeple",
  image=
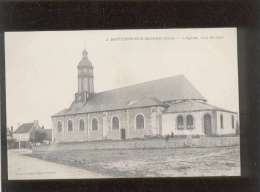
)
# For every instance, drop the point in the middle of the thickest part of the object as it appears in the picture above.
(85, 78)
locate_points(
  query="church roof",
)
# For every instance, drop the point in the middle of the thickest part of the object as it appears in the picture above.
(152, 93)
(144, 102)
(191, 105)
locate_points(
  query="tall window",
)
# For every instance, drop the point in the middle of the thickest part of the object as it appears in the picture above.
(115, 123)
(59, 126)
(180, 122)
(221, 121)
(70, 126)
(190, 124)
(94, 124)
(139, 121)
(233, 122)
(81, 125)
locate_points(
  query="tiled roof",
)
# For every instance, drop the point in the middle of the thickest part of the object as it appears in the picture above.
(144, 102)
(24, 128)
(144, 94)
(191, 105)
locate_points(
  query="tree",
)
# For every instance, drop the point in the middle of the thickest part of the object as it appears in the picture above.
(37, 136)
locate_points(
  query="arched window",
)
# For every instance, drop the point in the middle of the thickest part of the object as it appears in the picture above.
(59, 126)
(115, 123)
(190, 123)
(81, 125)
(94, 124)
(233, 122)
(180, 122)
(139, 121)
(70, 126)
(221, 121)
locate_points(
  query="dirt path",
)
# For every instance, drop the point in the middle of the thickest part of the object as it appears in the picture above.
(22, 167)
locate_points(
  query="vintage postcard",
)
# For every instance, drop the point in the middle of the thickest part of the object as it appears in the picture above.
(122, 103)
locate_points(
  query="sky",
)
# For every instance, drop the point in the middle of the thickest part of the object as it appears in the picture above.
(41, 67)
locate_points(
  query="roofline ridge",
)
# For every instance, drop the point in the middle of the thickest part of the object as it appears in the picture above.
(127, 86)
(220, 108)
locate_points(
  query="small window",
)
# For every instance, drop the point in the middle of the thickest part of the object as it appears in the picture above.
(190, 124)
(70, 126)
(233, 122)
(180, 122)
(94, 124)
(139, 121)
(221, 121)
(115, 123)
(81, 125)
(59, 126)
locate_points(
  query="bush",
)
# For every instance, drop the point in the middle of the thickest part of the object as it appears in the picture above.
(38, 135)
(12, 143)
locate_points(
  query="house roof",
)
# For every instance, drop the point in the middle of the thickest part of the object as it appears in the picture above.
(24, 128)
(191, 105)
(140, 95)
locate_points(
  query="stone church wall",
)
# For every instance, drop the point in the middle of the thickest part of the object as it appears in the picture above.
(170, 123)
(133, 132)
(95, 134)
(127, 121)
(227, 123)
(115, 134)
(68, 136)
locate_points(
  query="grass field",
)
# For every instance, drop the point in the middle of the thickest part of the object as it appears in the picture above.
(181, 162)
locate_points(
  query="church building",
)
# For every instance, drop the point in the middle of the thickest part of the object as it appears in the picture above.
(160, 107)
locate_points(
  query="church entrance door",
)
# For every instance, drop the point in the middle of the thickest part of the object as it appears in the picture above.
(207, 124)
(123, 134)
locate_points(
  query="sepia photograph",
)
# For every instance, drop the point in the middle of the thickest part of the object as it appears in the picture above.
(136, 103)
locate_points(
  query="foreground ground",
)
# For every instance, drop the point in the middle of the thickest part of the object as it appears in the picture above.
(181, 162)
(21, 166)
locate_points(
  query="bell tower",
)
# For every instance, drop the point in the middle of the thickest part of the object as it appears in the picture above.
(85, 79)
